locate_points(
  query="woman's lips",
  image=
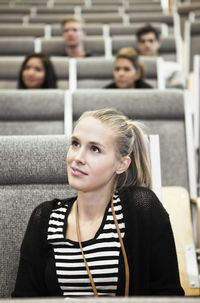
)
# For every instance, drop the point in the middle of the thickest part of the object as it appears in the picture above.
(78, 172)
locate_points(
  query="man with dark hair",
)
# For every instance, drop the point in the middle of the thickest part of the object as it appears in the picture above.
(148, 44)
(74, 35)
(148, 41)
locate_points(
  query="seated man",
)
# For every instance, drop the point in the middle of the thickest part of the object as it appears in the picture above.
(74, 35)
(148, 44)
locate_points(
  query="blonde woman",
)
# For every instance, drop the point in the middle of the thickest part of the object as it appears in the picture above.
(114, 237)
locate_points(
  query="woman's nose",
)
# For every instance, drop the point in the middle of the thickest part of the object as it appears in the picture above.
(80, 156)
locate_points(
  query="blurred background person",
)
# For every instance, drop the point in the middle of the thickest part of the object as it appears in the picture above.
(74, 35)
(128, 71)
(148, 44)
(37, 71)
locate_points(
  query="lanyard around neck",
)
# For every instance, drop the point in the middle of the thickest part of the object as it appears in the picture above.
(127, 274)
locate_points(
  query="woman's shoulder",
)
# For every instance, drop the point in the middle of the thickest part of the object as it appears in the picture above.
(141, 198)
(45, 208)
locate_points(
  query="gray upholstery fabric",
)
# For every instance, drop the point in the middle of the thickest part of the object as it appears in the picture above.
(24, 10)
(151, 17)
(43, 112)
(37, 104)
(195, 41)
(56, 47)
(161, 111)
(97, 72)
(16, 205)
(118, 29)
(16, 46)
(33, 30)
(103, 18)
(11, 18)
(33, 170)
(33, 159)
(10, 67)
(61, 9)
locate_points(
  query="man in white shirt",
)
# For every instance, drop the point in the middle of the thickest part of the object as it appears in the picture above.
(148, 44)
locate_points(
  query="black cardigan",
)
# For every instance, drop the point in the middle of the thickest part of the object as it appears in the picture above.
(138, 84)
(148, 241)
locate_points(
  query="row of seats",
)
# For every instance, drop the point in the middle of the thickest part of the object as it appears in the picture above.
(88, 72)
(95, 45)
(50, 30)
(55, 111)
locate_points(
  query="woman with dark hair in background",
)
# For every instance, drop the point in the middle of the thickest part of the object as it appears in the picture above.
(128, 71)
(37, 72)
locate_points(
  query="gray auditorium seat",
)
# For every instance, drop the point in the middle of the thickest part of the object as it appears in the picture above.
(98, 72)
(192, 43)
(104, 18)
(196, 70)
(33, 170)
(16, 46)
(164, 113)
(30, 30)
(9, 71)
(32, 112)
(184, 9)
(56, 47)
(131, 29)
(61, 9)
(61, 66)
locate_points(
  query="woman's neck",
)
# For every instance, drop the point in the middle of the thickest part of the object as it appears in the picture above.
(92, 206)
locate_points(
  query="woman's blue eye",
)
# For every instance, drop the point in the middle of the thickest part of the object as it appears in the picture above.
(95, 149)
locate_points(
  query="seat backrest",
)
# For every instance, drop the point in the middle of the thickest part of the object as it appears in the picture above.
(32, 112)
(30, 30)
(131, 29)
(9, 71)
(16, 46)
(98, 72)
(192, 43)
(33, 170)
(94, 45)
(163, 113)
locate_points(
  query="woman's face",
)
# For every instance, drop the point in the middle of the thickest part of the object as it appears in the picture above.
(33, 74)
(91, 160)
(125, 73)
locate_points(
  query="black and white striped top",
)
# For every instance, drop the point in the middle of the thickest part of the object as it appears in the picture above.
(101, 252)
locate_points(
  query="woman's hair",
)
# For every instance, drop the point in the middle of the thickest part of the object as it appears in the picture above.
(130, 141)
(130, 54)
(50, 76)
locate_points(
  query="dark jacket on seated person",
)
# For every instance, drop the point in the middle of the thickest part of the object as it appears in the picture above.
(138, 84)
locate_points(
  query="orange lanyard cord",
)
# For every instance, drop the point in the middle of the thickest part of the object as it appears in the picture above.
(127, 274)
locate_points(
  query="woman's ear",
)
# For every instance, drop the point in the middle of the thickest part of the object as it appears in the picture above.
(124, 165)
